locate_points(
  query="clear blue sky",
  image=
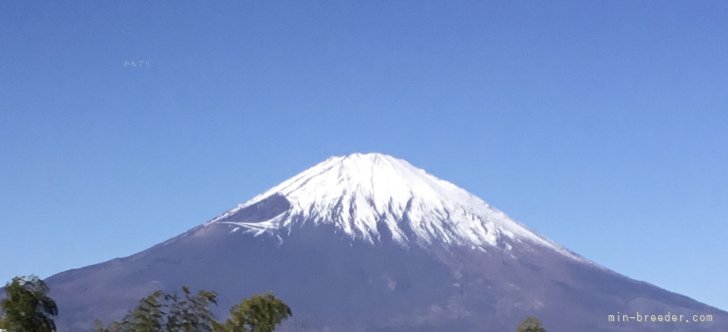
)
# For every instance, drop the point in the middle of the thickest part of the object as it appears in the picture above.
(603, 125)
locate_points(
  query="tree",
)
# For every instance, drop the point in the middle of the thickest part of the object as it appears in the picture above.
(161, 312)
(531, 324)
(191, 313)
(260, 313)
(113, 327)
(27, 306)
(148, 316)
(168, 313)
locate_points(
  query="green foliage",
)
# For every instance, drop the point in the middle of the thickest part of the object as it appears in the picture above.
(113, 327)
(27, 306)
(148, 316)
(531, 324)
(191, 313)
(160, 312)
(260, 313)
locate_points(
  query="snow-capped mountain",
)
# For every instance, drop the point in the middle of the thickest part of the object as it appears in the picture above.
(368, 242)
(360, 194)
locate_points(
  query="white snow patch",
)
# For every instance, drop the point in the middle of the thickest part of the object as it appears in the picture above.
(361, 193)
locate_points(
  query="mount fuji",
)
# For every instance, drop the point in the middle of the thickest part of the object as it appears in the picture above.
(368, 242)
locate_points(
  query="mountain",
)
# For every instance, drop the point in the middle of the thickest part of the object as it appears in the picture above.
(368, 242)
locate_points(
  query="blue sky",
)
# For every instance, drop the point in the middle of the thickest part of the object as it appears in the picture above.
(600, 124)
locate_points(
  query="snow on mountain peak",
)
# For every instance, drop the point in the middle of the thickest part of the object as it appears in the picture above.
(361, 193)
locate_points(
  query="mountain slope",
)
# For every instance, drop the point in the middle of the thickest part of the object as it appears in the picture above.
(371, 243)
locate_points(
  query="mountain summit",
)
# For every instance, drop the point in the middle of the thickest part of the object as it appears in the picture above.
(376, 197)
(368, 242)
